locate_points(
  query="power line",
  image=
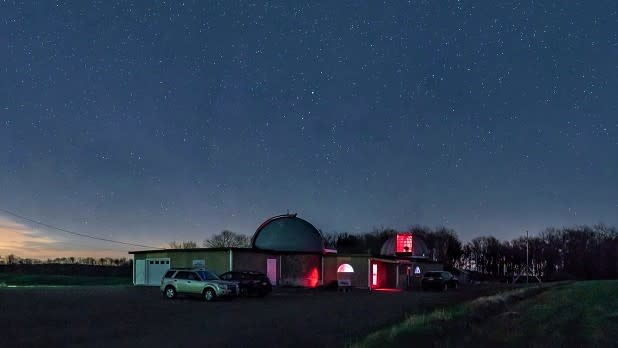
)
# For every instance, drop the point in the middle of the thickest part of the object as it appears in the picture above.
(76, 233)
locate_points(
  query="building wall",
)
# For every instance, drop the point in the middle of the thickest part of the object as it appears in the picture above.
(359, 263)
(251, 261)
(301, 270)
(215, 261)
(425, 267)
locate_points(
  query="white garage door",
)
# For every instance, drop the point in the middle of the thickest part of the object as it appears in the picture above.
(155, 269)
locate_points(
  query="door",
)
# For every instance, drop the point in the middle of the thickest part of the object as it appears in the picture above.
(271, 270)
(194, 283)
(140, 272)
(181, 281)
(155, 269)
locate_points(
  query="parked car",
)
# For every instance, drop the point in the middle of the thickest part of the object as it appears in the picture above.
(198, 282)
(440, 280)
(250, 282)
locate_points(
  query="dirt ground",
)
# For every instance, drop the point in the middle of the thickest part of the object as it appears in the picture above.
(118, 316)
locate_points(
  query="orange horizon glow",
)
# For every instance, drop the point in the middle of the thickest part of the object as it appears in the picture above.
(28, 243)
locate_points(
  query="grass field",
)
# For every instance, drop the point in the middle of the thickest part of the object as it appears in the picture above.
(12, 279)
(580, 314)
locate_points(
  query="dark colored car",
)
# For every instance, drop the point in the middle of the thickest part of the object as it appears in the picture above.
(251, 283)
(439, 280)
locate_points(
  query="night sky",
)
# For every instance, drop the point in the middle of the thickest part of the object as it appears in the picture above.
(157, 121)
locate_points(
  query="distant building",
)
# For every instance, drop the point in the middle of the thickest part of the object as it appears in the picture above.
(292, 252)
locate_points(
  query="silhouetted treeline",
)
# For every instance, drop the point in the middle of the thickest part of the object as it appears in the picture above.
(582, 252)
(443, 243)
(103, 261)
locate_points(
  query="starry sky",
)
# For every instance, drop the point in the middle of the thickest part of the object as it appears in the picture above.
(154, 121)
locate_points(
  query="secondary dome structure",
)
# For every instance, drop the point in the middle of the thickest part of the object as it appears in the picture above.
(405, 244)
(288, 233)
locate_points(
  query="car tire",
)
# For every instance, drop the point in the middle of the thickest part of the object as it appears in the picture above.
(170, 293)
(209, 294)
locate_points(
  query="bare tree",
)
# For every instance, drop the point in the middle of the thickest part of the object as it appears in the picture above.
(12, 259)
(227, 239)
(189, 244)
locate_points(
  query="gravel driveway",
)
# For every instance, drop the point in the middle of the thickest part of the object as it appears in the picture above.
(117, 316)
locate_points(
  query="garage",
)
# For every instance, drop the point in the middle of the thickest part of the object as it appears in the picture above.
(150, 271)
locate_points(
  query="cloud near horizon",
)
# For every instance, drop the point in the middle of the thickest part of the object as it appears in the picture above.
(28, 242)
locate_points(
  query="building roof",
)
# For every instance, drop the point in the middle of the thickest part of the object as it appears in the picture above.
(251, 250)
(419, 248)
(288, 233)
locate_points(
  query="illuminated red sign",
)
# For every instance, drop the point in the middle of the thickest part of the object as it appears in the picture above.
(404, 243)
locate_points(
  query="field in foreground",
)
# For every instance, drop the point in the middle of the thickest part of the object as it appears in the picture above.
(17, 279)
(580, 314)
(118, 316)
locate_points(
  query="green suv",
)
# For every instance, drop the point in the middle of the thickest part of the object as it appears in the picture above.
(196, 281)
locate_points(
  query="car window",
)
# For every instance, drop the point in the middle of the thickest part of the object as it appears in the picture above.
(207, 275)
(433, 274)
(182, 275)
(193, 276)
(169, 274)
(226, 276)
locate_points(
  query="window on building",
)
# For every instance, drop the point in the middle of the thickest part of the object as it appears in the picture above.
(345, 268)
(374, 274)
(404, 243)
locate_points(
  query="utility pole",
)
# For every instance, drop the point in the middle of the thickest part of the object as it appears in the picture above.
(527, 267)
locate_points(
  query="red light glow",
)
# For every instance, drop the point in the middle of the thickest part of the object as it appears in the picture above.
(404, 243)
(387, 290)
(374, 274)
(313, 278)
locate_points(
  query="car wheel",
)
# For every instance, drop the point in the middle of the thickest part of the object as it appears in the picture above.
(170, 292)
(209, 295)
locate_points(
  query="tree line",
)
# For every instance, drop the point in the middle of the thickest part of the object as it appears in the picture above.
(581, 252)
(102, 261)
(225, 239)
